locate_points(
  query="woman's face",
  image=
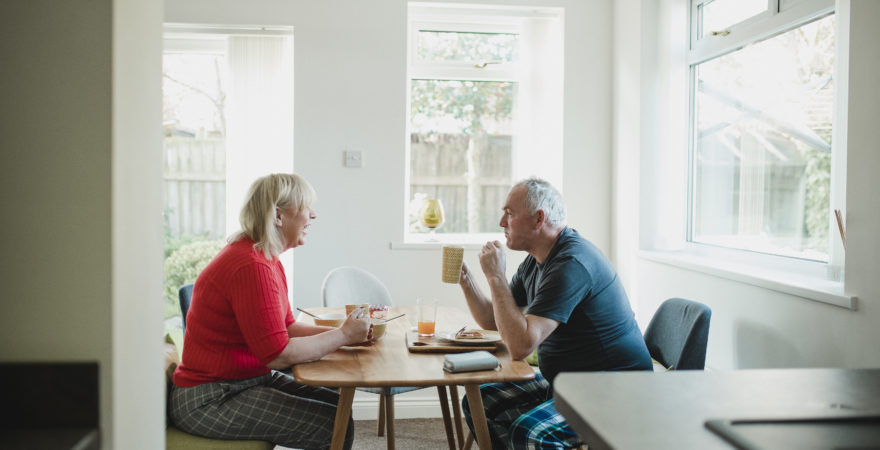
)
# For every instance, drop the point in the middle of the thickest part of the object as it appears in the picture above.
(293, 226)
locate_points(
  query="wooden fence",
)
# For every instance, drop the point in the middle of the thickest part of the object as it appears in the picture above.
(439, 169)
(194, 187)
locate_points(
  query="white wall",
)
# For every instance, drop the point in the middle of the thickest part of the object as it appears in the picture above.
(754, 327)
(138, 380)
(79, 194)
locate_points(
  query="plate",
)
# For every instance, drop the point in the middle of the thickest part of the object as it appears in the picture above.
(488, 337)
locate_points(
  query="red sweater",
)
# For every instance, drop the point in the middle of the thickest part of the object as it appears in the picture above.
(237, 321)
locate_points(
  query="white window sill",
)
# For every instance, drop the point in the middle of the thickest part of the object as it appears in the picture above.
(810, 288)
(432, 245)
(468, 241)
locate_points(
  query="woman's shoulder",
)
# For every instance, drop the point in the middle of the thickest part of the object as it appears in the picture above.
(237, 255)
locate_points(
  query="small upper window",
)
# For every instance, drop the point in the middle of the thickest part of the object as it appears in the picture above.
(460, 46)
(716, 16)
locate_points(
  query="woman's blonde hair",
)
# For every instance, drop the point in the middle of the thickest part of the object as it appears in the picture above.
(278, 190)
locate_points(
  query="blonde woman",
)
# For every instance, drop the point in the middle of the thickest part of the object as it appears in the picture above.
(240, 333)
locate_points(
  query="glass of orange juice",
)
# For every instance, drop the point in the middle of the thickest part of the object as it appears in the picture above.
(427, 316)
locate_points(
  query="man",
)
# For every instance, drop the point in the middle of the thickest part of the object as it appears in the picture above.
(565, 300)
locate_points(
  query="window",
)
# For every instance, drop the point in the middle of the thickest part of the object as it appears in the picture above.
(762, 98)
(476, 110)
(228, 115)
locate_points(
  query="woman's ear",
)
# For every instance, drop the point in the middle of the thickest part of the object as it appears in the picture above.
(277, 216)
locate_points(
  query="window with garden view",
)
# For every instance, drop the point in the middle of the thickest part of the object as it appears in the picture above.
(761, 134)
(227, 99)
(466, 132)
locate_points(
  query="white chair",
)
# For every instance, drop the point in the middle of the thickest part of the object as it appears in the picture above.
(347, 285)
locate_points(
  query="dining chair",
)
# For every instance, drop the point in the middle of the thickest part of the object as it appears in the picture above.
(676, 337)
(184, 296)
(678, 334)
(175, 438)
(346, 285)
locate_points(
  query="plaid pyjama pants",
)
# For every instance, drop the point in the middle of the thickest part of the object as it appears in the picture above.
(271, 407)
(522, 416)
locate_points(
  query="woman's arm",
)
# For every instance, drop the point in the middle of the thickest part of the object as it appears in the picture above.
(311, 347)
(299, 329)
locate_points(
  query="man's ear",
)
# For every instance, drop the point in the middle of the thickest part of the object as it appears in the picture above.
(539, 218)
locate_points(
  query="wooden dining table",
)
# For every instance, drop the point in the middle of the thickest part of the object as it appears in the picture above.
(389, 363)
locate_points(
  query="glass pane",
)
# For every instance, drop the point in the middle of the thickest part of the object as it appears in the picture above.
(455, 46)
(762, 152)
(461, 151)
(194, 90)
(719, 15)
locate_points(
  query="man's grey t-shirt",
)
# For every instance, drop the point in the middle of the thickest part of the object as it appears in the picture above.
(578, 287)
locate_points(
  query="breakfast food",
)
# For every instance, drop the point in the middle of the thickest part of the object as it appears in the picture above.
(378, 311)
(469, 334)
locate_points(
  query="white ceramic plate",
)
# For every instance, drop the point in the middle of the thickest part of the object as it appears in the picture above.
(489, 336)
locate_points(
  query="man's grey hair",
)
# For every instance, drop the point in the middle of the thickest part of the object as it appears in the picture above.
(540, 194)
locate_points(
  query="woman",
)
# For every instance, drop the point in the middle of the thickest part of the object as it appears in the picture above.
(240, 332)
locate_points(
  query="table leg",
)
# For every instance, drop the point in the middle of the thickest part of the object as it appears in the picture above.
(389, 423)
(444, 406)
(343, 412)
(456, 414)
(380, 421)
(478, 414)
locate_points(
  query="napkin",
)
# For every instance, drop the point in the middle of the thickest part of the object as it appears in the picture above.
(466, 362)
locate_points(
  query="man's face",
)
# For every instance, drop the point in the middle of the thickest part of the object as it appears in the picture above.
(519, 226)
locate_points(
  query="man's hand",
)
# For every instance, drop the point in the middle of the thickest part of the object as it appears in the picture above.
(492, 260)
(465, 274)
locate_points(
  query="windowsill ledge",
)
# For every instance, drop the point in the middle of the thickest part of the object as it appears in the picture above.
(820, 290)
(434, 245)
(473, 241)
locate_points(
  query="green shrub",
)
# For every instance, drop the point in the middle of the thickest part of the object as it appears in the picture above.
(186, 263)
(172, 243)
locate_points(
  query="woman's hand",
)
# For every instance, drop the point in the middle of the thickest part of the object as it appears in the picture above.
(357, 327)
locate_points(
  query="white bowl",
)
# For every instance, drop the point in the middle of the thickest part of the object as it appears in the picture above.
(330, 319)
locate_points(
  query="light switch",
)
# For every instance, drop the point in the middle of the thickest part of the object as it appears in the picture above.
(353, 158)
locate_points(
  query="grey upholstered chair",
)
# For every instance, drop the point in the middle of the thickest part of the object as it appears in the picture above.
(184, 296)
(346, 285)
(678, 334)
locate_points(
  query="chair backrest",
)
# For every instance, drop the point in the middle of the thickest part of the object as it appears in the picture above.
(678, 334)
(347, 285)
(184, 295)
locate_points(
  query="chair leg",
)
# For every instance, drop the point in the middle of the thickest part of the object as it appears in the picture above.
(447, 422)
(380, 420)
(456, 414)
(468, 442)
(389, 421)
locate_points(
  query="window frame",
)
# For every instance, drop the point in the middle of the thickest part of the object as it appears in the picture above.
(779, 18)
(538, 115)
(452, 70)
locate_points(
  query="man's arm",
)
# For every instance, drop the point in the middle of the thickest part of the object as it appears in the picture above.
(479, 305)
(522, 333)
